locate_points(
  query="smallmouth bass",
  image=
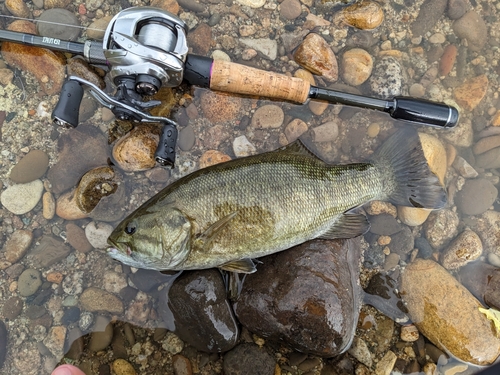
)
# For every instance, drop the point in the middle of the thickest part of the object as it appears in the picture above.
(227, 214)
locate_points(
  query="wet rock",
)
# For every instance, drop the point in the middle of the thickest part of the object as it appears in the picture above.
(469, 94)
(97, 234)
(441, 227)
(49, 4)
(67, 208)
(483, 281)
(220, 107)
(413, 216)
(30, 167)
(77, 66)
(17, 245)
(79, 151)
(122, 367)
(360, 351)
(384, 224)
(95, 184)
(18, 8)
(22, 198)
(487, 227)
(461, 136)
(268, 116)
(96, 29)
(486, 144)
(171, 343)
(472, 28)
(242, 147)
(212, 157)
(48, 206)
(386, 364)
(295, 129)
(95, 299)
(182, 365)
(457, 8)
(382, 293)
(409, 333)
(149, 280)
(11, 309)
(75, 344)
(365, 15)
(290, 9)
(47, 66)
(430, 12)
(464, 168)
(387, 78)
(187, 138)
(139, 309)
(29, 282)
(54, 341)
(318, 297)
(489, 159)
(447, 313)
(447, 59)
(200, 39)
(464, 249)
(326, 132)
(102, 334)
(476, 196)
(252, 3)
(27, 357)
(77, 239)
(248, 359)
(315, 55)
(135, 150)
(49, 251)
(58, 23)
(114, 282)
(357, 65)
(266, 48)
(203, 317)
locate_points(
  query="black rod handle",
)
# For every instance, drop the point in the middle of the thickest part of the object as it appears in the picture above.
(423, 111)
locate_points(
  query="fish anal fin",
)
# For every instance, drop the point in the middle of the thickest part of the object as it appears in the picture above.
(205, 238)
(347, 226)
(244, 265)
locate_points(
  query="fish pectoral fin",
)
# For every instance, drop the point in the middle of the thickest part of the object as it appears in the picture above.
(347, 226)
(205, 238)
(244, 265)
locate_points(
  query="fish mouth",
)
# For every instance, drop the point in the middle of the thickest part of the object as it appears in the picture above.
(118, 248)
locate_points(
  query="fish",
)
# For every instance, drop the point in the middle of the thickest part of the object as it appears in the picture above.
(229, 214)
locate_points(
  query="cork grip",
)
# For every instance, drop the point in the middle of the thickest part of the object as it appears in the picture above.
(241, 79)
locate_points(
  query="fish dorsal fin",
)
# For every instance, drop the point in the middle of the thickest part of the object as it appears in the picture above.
(205, 238)
(297, 148)
(347, 226)
(244, 265)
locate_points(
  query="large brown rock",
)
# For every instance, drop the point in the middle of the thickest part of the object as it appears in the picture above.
(448, 314)
(306, 297)
(47, 66)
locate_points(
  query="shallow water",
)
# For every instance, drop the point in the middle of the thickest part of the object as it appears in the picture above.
(35, 335)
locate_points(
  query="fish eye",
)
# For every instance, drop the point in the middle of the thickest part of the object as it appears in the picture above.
(131, 227)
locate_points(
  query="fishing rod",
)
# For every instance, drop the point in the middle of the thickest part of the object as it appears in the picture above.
(145, 48)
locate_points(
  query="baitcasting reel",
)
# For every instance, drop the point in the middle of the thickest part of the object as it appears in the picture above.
(145, 49)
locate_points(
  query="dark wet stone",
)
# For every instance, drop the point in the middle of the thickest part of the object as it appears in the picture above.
(384, 224)
(382, 293)
(248, 359)
(43, 295)
(32, 166)
(200, 39)
(186, 138)
(483, 281)
(192, 5)
(148, 280)
(34, 312)
(79, 151)
(49, 251)
(430, 12)
(29, 282)
(476, 196)
(3, 343)
(402, 242)
(102, 334)
(457, 8)
(12, 308)
(313, 307)
(118, 344)
(74, 344)
(197, 306)
(71, 315)
(127, 294)
(424, 247)
(58, 23)
(437, 355)
(363, 39)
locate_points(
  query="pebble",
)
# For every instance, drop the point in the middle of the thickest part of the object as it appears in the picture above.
(6, 76)
(441, 227)
(417, 90)
(457, 8)
(476, 196)
(17, 245)
(462, 135)
(49, 251)
(97, 28)
(452, 320)
(464, 168)
(447, 59)
(200, 39)
(135, 150)
(72, 283)
(54, 341)
(29, 282)
(18, 8)
(58, 23)
(364, 15)
(387, 78)
(290, 9)
(186, 139)
(374, 208)
(77, 239)
(248, 359)
(488, 227)
(242, 147)
(386, 364)
(429, 13)
(172, 344)
(30, 167)
(359, 350)
(268, 116)
(435, 153)
(315, 55)
(102, 334)
(22, 198)
(252, 3)
(413, 216)
(182, 365)
(47, 66)
(326, 132)
(267, 48)
(409, 333)
(486, 144)
(48, 206)
(97, 234)
(66, 207)
(12, 308)
(95, 299)
(471, 27)
(305, 75)
(122, 367)
(114, 282)
(220, 107)
(212, 157)
(295, 129)
(317, 106)
(357, 66)
(158, 175)
(469, 94)
(489, 159)
(464, 249)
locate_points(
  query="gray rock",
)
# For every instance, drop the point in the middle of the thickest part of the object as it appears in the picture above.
(49, 251)
(198, 305)
(12, 308)
(430, 12)
(248, 359)
(22, 198)
(441, 227)
(476, 196)
(313, 306)
(17, 245)
(457, 8)
(387, 78)
(472, 28)
(464, 249)
(186, 138)
(31, 167)
(58, 23)
(384, 224)
(29, 282)
(267, 48)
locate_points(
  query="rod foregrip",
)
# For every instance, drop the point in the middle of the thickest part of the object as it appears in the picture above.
(241, 79)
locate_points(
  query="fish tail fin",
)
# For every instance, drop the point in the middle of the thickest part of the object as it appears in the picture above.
(407, 179)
